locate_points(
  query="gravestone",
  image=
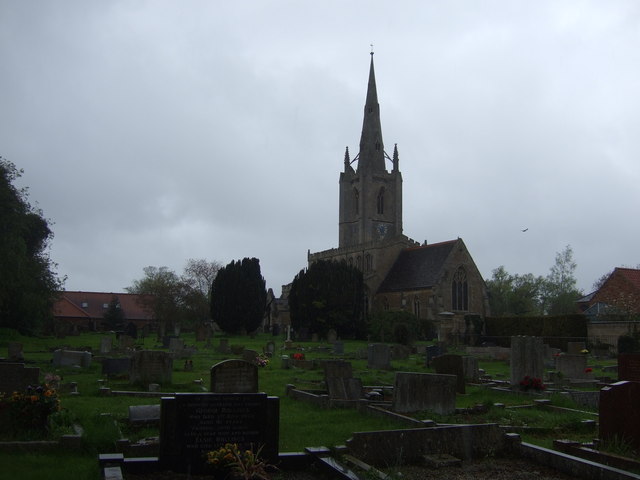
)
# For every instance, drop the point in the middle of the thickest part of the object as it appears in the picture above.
(338, 347)
(433, 351)
(451, 365)
(116, 366)
(151, 366)
(527, 358)
(15, 377)
(176, 344)
(71, 358)
(15, 352)
(414, 392)
(270, 349)
(619, 413)
(193, 424)
(203, 332)
(338, 377)
(332, 336)
(106, 344)
(224, 346)
(629, 367)
(144, 414)
(470, 368)
(234, 376)
(249, 355)
(575, 348)
(572, 366)
(400, 352)
(379, 356)
(314, 337)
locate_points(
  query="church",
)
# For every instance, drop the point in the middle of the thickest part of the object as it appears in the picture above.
(438, 282)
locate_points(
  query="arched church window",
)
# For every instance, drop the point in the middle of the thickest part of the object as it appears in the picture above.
(416, 306)
(368, 262)
(356, 201)
(380, 201)
(359, 262)
(350, 261)
(460, 291)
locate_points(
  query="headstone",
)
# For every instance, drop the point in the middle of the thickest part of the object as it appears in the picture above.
(338, 376)
(572, 366)
(575, 348)
(151, 366)
(144, 414)
(270, 349)
(15, 377)
(116, 366)
(619, 410)
(249, 355)
(203, 332)
(433, 351)
(224, 346)
(106, 343)
(15, 352)
(314, 337)
(400, 352)
(332, 336)
(527, 358)
(629, 367)
(71, 358)
(234, 376)
(338, 347)
(451, 365)
(176, 344)
(471, 369)
(379, 356)
(193, 424)
(414, 392)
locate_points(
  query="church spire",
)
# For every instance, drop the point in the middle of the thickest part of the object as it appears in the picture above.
(371, 146)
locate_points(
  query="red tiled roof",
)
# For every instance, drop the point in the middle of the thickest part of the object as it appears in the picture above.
(632, 275)
(92, 305)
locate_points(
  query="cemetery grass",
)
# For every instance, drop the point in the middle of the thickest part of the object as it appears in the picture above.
(301, 425)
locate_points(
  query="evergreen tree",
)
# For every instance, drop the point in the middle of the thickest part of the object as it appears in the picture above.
(328, 295)
(239, 296)
(114, 316)
(28, 284)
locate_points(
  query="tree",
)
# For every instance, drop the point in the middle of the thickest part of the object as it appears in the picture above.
(514, 294)
(114, 316)
(328, 295)
(162, 292)
(238, 296)
(28, 284)
(560, 288)
(198, 277)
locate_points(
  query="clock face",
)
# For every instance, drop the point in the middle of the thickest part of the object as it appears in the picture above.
(382, 230)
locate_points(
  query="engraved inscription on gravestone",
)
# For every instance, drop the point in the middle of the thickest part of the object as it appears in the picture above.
(234, 376)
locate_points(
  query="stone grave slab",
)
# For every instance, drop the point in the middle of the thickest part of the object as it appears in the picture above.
(629, 367)
(234, 376)
(379, 356)
(414, 392)
(619, 411)
(71, 358)
(193, 424)
(451, 365)
(572, 366)
(144, 414)
(527, 358)
(15, 377)
(151, 366)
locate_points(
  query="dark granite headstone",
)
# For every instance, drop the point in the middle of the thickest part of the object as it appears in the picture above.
(451, 365)
(338, 347)
(619, 410)
(433, 351)
(413, 392)
(193, 424)
(234, 376)
(629, 367)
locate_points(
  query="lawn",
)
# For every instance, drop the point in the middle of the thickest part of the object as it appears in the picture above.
(301, 424)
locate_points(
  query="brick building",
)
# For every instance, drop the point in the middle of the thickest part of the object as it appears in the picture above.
(618, 295)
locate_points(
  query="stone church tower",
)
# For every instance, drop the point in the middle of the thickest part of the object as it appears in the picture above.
(370, 196)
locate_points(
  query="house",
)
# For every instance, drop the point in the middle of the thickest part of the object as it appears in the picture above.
(619, 295)
(76, 311)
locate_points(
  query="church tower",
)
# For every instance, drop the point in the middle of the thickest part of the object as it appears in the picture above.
(370, 196)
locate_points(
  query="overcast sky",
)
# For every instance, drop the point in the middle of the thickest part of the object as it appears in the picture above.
(151, 132)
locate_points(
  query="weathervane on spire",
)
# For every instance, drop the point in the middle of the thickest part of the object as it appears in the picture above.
(371, 45)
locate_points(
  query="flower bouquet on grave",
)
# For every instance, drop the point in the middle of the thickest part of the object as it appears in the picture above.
(531, 383)
(29, 411)
(229, 462)
(262, 360)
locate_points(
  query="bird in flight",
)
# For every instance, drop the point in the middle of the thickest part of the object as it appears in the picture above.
(525, 229)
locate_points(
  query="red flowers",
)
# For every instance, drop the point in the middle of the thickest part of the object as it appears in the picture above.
(588, 370)
(298, 356)
(528, 383)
